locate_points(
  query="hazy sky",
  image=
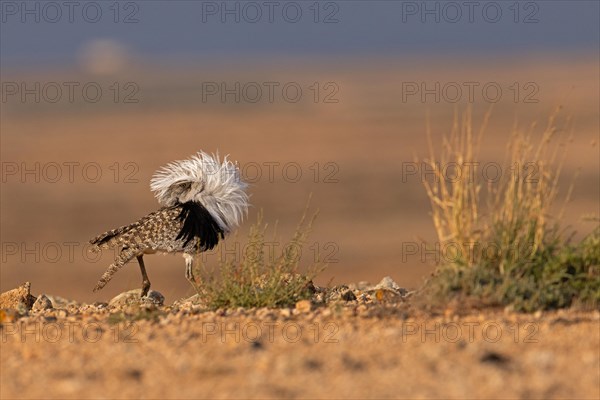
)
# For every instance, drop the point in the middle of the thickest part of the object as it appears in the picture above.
(38, 33)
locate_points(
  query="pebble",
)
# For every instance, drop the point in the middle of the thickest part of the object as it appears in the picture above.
(18, 298)
(348, 295)
(304, 306)
(42, 303)
(389, 284)
(285, 312)
(133, 297)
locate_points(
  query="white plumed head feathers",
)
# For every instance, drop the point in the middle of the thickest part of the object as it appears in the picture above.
(204, 179)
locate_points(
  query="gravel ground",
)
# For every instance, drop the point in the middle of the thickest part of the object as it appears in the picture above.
(346, 349)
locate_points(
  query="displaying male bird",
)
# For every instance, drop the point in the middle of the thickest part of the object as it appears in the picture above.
(203, 200)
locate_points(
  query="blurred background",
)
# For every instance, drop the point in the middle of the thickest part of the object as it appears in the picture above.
(324, 97)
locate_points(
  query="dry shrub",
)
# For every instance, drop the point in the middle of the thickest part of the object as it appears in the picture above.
(506, 248)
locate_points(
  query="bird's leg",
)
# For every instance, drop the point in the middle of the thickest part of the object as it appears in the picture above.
(145, 280)
(189, 270)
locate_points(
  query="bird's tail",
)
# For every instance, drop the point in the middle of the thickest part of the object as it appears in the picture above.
(109, 239)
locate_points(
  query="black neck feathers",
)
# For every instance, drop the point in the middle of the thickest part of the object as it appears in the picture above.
(198, 223)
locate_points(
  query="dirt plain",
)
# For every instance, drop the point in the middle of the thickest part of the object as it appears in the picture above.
(368, 212)
(356, 348)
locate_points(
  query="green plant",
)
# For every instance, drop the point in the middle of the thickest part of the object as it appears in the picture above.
(261, 279)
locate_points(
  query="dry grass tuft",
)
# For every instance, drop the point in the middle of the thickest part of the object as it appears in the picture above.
(261, 279)
(502, 245)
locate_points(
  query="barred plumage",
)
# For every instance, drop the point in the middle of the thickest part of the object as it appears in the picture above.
(204, 200)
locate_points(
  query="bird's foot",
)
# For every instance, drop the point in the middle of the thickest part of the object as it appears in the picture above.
(145, 288)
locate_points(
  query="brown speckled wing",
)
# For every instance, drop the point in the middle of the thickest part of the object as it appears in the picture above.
(156, 231)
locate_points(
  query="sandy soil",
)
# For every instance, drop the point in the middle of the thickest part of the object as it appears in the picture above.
(346, 350)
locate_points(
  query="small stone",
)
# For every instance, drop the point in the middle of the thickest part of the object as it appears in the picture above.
(133, 297)
(42, 303)
(152, 301)
(348, 295)
(156, 297)
(387, 291)
(388, 283)
(19, 298)
(304, 306)
(285, 312)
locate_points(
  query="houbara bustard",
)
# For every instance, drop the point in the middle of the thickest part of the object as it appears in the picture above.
(202, 200)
